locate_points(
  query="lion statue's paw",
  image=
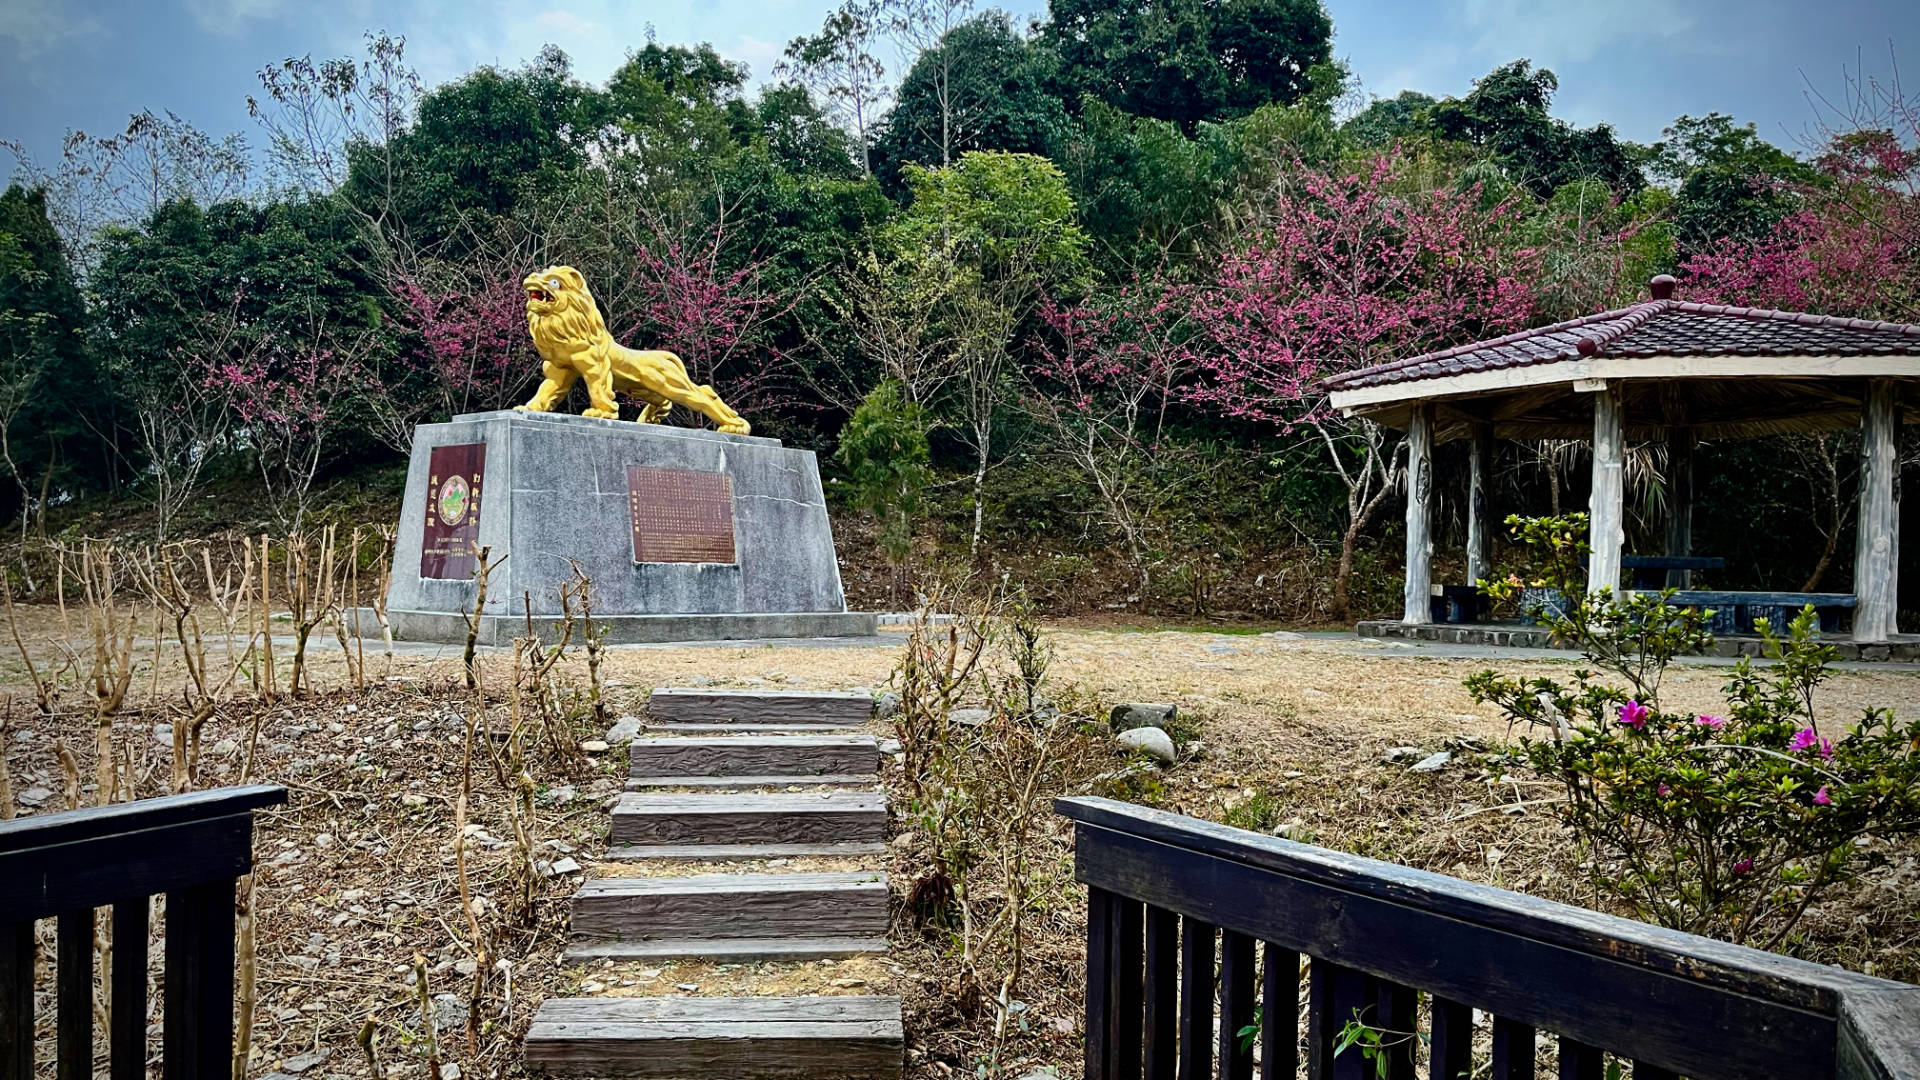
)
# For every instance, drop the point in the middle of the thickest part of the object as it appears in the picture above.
(601, 414)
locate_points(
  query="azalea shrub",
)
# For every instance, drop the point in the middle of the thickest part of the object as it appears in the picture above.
(1728, 823)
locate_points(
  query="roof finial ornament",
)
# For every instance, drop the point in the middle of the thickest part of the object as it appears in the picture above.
(1662, 286)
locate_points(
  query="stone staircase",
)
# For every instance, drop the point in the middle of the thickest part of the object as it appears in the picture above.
(721, 788)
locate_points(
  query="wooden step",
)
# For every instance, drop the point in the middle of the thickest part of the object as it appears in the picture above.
(747, 729)
(842, 904)
(755, 755)
(736, 852)
(727, 950)
(694, 705)
(643, 783)
(819, 1038)
(783, 818)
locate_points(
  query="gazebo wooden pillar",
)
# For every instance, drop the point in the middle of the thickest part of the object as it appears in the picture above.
(1419, 586)
(1607, 507)
(1479, 534)
(1876, 561)
(1680, 445)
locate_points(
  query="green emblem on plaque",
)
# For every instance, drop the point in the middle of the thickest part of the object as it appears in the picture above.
(454, 499)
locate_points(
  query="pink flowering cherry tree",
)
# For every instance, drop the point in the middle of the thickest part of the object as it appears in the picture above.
(1103, 381)
(291, 398)
(701, 292)
(1349, 268)
(475, 352)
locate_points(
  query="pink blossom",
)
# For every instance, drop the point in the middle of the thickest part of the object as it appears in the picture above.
(1634, 715)
(1744, 866)
(1352, 270)
(1713, 722)
(1803, 740)
(1821, 798)
(1848, 250)
(1663, 791)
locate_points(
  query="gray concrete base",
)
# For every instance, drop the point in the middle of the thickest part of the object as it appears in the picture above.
(444, 628)
(1905, 648)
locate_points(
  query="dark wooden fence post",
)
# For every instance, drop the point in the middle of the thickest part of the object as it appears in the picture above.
(1124, 1027)
(1279, 1014)
(1099, 959)
(1236, 1006)
(1162, 1022)
(128, 1020)
(73, 989)
(16, 1001)
(199, 984)
(1196, 999)
(1450, 1048)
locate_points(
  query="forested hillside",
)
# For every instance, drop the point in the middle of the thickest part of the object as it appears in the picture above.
(1051, 300)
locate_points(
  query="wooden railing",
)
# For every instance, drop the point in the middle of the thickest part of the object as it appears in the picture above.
(1167, 894)
(189, 848)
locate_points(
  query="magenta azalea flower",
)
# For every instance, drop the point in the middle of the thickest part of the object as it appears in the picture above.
(1804, 739)
(1663, 791)
(1744, 866)
(1821, 798)
(1634, 715)
(1714, 722)
(1826, 748)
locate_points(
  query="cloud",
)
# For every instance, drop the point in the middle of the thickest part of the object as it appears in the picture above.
(226, 16)
(1569, 31)
(36, 28)
(565, 23)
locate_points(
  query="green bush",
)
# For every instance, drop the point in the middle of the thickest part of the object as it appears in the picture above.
(1728, 825)
(884, 448)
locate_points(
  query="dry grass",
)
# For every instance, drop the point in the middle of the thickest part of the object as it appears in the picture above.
(356, 875)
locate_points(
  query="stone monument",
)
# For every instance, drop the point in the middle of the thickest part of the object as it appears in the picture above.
(686, 534)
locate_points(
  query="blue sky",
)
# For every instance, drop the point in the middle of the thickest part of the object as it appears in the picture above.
(1635, 63)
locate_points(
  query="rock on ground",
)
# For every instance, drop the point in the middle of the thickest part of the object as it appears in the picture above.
(624, 730)
(1139, 714)
(1151, 740)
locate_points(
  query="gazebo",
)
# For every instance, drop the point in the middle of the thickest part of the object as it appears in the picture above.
(1661, 370)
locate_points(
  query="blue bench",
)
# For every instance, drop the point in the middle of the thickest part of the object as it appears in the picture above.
(1735, 612)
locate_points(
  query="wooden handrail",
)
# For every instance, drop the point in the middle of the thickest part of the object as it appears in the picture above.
(94, 821)
(1374, 932)
(190, 848)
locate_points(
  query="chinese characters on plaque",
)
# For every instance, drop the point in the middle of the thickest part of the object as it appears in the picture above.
(680, 516)
(447, 544)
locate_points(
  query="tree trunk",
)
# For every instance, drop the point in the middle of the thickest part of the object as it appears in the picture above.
(1349, 540)
(979, 498)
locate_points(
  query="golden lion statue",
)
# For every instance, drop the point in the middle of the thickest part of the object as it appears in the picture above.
(573, 343)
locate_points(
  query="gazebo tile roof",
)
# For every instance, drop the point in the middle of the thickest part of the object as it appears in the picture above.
(1655, 328)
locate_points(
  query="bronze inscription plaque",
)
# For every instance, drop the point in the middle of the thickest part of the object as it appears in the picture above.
(680, 516)
(453, 511)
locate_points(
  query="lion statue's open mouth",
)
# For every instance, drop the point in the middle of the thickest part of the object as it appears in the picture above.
(572, 339)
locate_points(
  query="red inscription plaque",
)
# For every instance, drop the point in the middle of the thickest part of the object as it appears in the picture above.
(453, 511)
(680, 516)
